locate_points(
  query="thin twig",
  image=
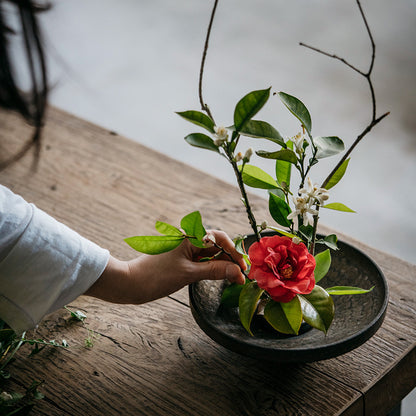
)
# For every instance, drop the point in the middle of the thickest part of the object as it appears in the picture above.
(374, 119)
(204, 55)
(334, 56)
(223, 251)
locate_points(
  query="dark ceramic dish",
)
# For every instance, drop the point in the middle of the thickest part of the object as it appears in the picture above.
(357, 317)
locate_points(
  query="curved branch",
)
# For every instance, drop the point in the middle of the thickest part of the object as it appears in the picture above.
(204, 55)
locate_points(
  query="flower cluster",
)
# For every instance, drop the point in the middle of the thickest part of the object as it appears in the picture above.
(309, 197)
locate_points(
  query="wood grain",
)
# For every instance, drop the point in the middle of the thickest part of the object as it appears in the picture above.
(153, 359)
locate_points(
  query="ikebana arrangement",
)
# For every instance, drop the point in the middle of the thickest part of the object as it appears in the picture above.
(283, 269)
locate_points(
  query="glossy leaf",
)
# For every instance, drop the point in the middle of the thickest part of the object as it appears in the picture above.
(284, 170)
(337, 206)
(249, 106)
(328, 146)
(286, 155)
(198, 118)
(262, 130)
(231, 294)
(331, 241)
(167, 229)
(247, 304)
(337, 176)
(347, 290)
(279, 210)
(323, 263)
(192, 225)
(282, 232)
(154, 244)
(306, 231)
(284, 317)
(201, 140)
(318, 309)
(257, 178)
(298, 109)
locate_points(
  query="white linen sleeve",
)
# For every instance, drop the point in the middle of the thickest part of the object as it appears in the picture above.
(43, 264)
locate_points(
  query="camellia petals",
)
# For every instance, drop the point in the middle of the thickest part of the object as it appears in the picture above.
(281, 267)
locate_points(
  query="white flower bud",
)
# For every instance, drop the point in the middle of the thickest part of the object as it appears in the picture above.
(209, 240)
(6, 396)
(238, 157)
(298, 142)
(263, 225)
(296, 240)
(248, 154)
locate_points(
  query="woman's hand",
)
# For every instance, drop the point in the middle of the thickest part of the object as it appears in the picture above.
(147, 278)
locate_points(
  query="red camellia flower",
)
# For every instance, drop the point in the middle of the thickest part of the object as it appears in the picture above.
(282, 267)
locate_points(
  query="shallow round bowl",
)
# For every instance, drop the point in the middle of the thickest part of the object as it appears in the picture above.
(357, 317)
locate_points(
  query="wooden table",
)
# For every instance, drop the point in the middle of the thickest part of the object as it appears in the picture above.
(153, 359)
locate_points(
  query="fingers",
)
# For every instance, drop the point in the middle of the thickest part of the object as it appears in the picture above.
(227, 244)
(218, 270)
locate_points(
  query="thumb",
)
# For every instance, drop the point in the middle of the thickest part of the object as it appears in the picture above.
(218, 270)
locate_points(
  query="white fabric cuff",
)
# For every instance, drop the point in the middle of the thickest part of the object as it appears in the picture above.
(48, 267)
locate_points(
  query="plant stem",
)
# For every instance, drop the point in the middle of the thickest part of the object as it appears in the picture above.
(222, 250)
(204, 106)
(243, 192)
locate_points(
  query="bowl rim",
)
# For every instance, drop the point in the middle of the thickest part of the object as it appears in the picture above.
(299, 353)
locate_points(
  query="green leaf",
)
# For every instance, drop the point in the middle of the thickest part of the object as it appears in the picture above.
(201, 140)
(284, 317)
(328, 146)
(284, 170)
(279, 210)
(239, 246)
(198, 118)
(249, 106)
(306, 231)
(323, 263)
(231, 294)
(154, 244)
(192, 225)
(338, 207)
(298, 109)
(262, 130)
(331, 241)
(167, 229)
(347, 290)
(278, 230)
(286, 155)
(258, 178)
(318, 309)
(338, 174)
(78, 315)
(247, 304)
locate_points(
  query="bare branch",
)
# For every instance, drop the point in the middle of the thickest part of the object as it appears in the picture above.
(333, 56)
(367, 76)
(204, 55)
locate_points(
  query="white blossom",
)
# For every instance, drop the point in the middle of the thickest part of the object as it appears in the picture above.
(314, 193)
(221, 135)
(302, 208)
(298, 142)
